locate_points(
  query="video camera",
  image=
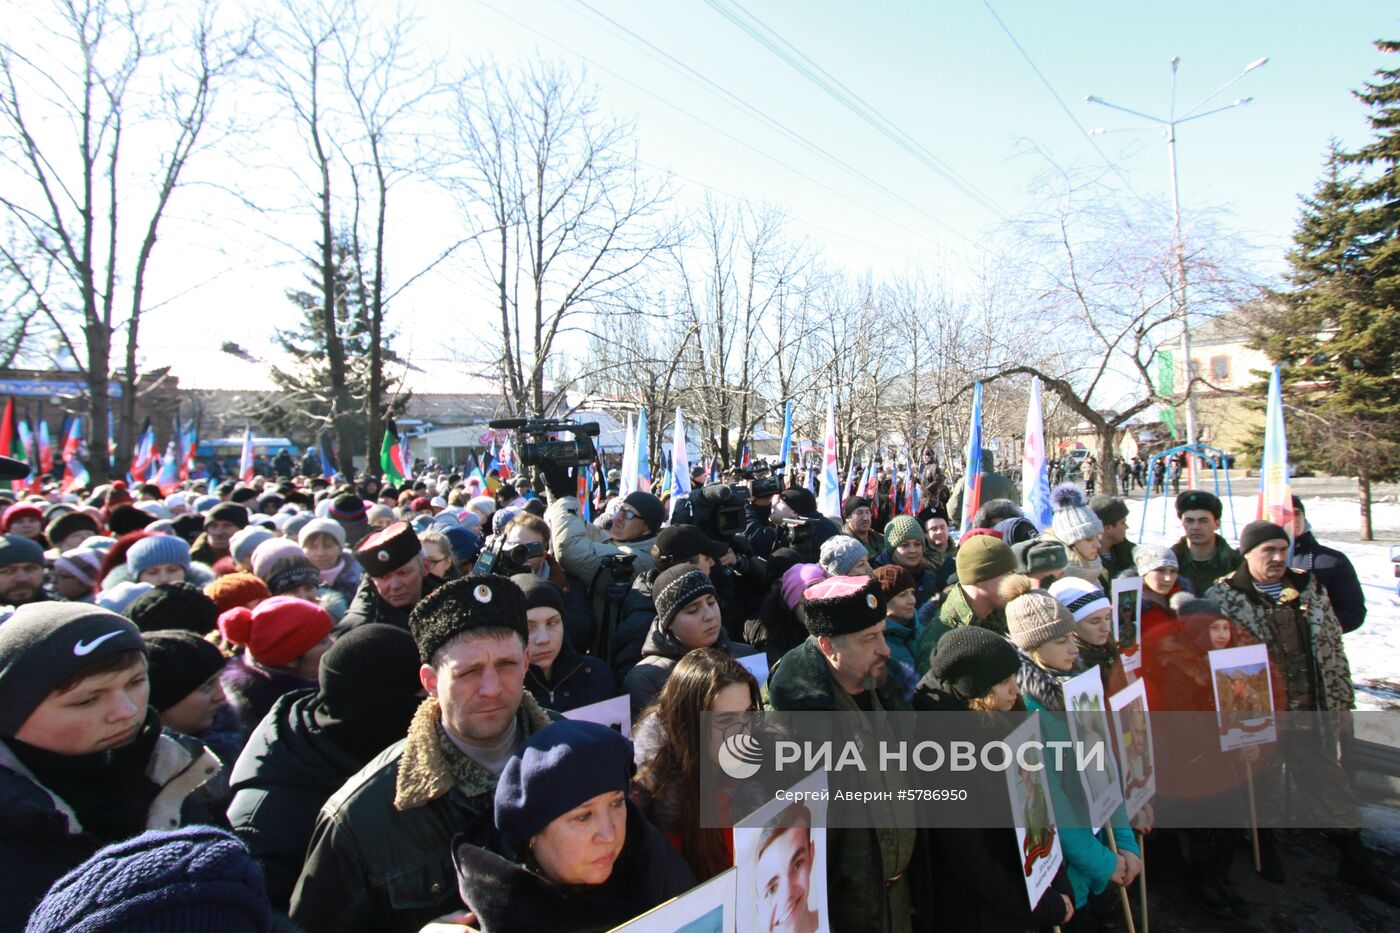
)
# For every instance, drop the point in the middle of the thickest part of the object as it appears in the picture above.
(506, 560)
(717, 509)
(800, 535)
(537, 447)
(766, 482)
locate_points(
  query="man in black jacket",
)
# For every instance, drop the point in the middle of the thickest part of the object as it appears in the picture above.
(1332, 569)
(314, 740)
(380, 856)
(395, 578)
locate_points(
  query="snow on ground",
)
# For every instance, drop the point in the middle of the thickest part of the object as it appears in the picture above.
(1374, 649)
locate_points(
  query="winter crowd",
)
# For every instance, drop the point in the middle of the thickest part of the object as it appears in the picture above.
(300, 704)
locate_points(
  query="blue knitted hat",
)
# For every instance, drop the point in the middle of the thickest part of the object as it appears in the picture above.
(195, 878)
(564, 765)
(155, 551)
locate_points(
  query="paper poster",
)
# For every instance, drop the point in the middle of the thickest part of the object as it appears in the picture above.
(1127, 620)
(1088, 725)
(757, 665)
(1133, 729)
(780, 854)
(705, 908)
(1244, 698)
(1033, 814)
(616, 713)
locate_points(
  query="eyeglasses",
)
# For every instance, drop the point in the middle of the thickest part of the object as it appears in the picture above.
(625, 514)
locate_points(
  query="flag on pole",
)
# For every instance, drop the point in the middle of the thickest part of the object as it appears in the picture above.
(786, 449)
(190, 438)
(245, 457)
(168, 477)
(327, 453)
(1275, 488)
(829, 500)
(972, 478)
(643, 469)
(26, 441)
(628, 480)
(909, 486)
(811, 484)
(45, 448)
(75, 475)
(144, 454)
(391, 456)
(680, 464)
(851, 475)
(406, 458)
(10, 445)
(1035, 475)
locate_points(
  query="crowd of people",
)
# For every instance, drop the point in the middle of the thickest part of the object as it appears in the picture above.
(301, 704)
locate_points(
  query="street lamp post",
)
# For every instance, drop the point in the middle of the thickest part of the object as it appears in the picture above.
(1169, 125)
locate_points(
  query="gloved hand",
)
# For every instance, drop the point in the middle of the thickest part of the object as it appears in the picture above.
(558, 480)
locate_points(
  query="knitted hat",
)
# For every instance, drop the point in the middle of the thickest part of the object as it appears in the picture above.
(482, 505)
(648, 508)
(236, 589)
(206, 504)
(388, 549)
(1256, 533)
(466, 547)
(156, 510)
(292, 571)
(292, 523)
(796, 580)
(245, 541)
(123, 519)
(853, 503)
(369, 684)
(682, 543)
(843, 605)
(1033, 616)
(321, 526)
(465, 604)
(563, 765)
(280, 630)
(18, 511)
(194, 878)
(1016, 529)
(180, 606)
(157, 551)
(81, 562)
(16, 549)
(180, 662)
(1079, 596)
(900, 529)
(70, 523)
(779, 561)
(539, 594)
(348, 509)
(972, 660)
(1109, 509)
(677, 587)
(1196, 499)
(379, 513)
(118, 598)
(1039, 555)
(840, 554)
(983, 558)
(1071, 519)
(270, 552)
(188, 526)
(893, 580)
(800, 500)
(43, 644)
(1150, 557)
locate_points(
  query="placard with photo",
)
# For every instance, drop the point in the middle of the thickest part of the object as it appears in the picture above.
(1127, 621)
(1244, 697)
(1033, 814)
(1133, 729)
(1088, 726)
(780, 854)
(705, 908)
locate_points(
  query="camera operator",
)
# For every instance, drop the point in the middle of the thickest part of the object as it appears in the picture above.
(767, 519)
(532, 532)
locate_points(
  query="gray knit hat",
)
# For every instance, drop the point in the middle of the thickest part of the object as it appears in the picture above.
(1150, 557)
(1072, 520)
(840, 554)
(1033, 616)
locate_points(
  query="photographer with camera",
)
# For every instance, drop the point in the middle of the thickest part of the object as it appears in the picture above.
(527, 541)
(790, 521)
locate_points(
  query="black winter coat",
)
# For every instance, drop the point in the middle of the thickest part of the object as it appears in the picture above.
(638, 611)
(509, 898)
(1338, 577)
(662, 650)
(576, 680)
(287, 771)
(368, 606)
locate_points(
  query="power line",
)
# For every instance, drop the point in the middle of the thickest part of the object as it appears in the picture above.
(804, 65)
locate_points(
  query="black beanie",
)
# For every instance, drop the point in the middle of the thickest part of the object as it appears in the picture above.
(188, 526)
(459, 606)
(780, 561)
(180, 662)
(369, 688)
(124, 519)
(648, 508)
(230, 512)
(174, 606)
(539, 593)
(1256, 533)
(971, 660)
(799, 500)
(853, 503)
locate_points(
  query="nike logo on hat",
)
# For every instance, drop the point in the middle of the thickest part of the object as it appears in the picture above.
(84, 648)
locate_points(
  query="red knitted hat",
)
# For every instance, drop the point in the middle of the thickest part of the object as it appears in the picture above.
(279, 631)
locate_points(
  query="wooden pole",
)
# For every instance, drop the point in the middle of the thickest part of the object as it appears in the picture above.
(1142, 881)
(1253, 815)
(1122, 891)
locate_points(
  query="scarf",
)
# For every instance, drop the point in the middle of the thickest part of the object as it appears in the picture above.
(329, 575)
(1090, 570)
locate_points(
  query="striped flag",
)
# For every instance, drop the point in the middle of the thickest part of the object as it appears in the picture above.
(1035, 475)
(643, 469)
(1275, 487)
(829, 501)
(680, 464)
(245, 457)
(972, 478)
(628, 480)
(786, 448)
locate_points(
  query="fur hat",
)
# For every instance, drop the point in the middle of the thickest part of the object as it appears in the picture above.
(1109, 509)
(388, 549)
(1197, 499)
(1040, 555)
(1033, 616)
(465, 604)
(893, 580)
(1071, 519)
(843, 605)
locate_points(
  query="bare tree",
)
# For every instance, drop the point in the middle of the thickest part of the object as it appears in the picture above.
(103, 104)
(570, 221)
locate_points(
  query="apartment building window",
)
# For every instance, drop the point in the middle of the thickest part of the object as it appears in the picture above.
(1220, 369)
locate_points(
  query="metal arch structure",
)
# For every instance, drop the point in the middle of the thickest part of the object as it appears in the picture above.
(1213, 456)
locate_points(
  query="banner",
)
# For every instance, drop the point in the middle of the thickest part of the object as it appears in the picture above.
(628, 481)
(643, 441)
(786, 448)
(1035, 475)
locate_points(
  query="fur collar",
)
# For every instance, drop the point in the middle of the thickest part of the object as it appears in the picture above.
(425, 774)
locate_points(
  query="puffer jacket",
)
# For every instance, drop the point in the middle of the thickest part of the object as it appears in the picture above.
(659, 655)
(1338, 577)
(41, 838)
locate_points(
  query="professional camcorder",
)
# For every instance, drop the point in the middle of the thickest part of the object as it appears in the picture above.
(800, 534)
(506, 560)
(718, 510)
(537, 445)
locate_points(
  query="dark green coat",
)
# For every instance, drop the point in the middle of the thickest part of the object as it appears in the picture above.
(1204, 573)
